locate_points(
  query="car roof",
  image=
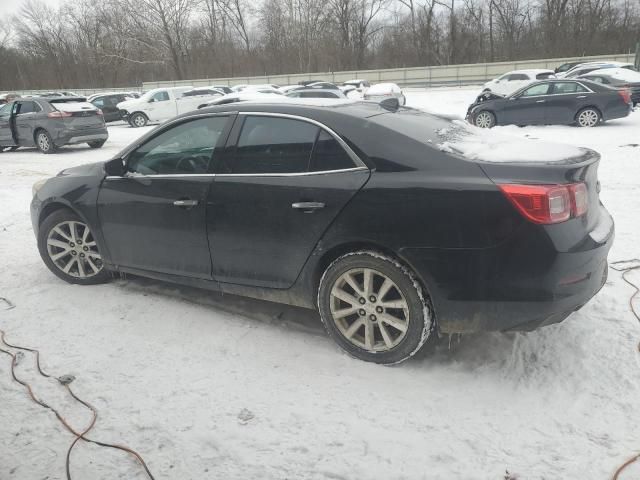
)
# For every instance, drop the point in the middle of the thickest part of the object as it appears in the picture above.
(532, 71)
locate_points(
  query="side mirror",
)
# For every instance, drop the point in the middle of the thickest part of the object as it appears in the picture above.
(151, 100)
(115, 167)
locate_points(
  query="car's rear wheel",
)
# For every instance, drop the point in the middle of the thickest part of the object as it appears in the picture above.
(485, 119)
(138, 120)
(45, 142)
(97, 144)
(374, 307)
(588, 117)
(68, 248)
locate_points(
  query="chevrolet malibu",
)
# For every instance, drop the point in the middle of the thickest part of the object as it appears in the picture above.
(369, 214)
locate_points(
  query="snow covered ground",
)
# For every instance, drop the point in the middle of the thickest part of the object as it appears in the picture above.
(206, 386)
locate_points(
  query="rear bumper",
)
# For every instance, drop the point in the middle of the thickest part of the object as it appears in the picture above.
(70, 137)
(515, 286)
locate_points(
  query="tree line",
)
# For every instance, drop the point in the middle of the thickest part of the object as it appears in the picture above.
(110, 43)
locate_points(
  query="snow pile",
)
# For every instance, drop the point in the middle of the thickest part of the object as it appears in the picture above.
(489, 146)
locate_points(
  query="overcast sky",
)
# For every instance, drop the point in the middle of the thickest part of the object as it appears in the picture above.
(7, 7)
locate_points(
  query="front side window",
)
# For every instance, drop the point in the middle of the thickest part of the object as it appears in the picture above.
(186, 148)
(5, 110)
(274, 145)
(536, 90)
(160, 97)
(568, 87)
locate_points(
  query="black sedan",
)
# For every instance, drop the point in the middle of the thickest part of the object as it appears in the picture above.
(605, 78)
(354, 209)
(552, 102)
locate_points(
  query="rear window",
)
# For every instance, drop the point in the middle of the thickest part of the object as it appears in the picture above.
(544, 76)
(67, 100)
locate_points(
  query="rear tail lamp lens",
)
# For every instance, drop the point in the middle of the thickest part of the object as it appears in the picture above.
(547, 204)
(58, 114)
(626, 95)
(99, 112)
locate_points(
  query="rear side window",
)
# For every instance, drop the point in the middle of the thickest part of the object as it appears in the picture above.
(543, 76)
(28, 107)
(568, 87)
(328, 154)
(518, 76)
(274, 145)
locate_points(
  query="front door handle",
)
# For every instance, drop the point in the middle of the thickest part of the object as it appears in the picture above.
(185, 203)
(540, 101)
(582, 96)
(307, 207)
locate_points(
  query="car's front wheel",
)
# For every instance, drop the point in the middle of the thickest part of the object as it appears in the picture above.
(138, 120)
(374, 307)
(485, 119)
(588, 117)
(68, 248)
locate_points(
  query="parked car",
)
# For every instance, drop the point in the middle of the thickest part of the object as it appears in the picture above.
(300, 216)
(511, 81)
(203, 92)
(50, 123)
(316, 93)
(304, 83)
(223, 88)
(383, 91)
(161, 104)
(323, 85)
(108, 103)
(358, 84)
(620, 78)
(8, 98)
(566, 67)
(559, 101)
(242, 97)
(588, 67)
(265, 86)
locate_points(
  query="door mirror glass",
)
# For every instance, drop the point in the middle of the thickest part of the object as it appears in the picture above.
(186, 148)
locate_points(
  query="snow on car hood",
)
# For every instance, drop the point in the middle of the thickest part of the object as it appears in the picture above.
(489, 146)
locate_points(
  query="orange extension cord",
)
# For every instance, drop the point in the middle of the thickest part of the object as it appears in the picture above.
(625, 271)
(65, 383)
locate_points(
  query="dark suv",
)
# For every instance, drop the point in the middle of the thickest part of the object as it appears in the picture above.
(49, 123)
(108, 103)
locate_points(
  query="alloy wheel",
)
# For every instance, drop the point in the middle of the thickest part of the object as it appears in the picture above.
(588, 118)
(139, 121)
(72, 248)
(43, 142)
(369, 309)
(484, 120)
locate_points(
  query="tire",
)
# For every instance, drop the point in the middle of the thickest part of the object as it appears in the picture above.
(44, 142)
(367, 327)
(484, 119)
(82, 260)
(97, 144)
(138, 120)
(588, 117)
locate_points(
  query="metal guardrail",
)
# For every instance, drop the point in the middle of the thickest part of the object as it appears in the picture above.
(465, 74)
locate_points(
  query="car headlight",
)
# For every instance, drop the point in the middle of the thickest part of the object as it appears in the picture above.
(37, 186)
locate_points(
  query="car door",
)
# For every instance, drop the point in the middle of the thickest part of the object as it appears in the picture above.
(6, 135)
(161, 106)
(110, 107)
(26, 116)
(526, 107)
(566, 100)
(282, 182)
(153, 216)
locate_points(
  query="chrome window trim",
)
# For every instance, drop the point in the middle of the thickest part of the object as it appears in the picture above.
(205, 175)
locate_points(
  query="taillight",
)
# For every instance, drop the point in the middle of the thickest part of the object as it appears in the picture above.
(548, 204)
(626, 95)
(58, 114)
(99, 112)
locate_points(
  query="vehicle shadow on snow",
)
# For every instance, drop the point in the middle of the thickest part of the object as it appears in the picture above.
(508, 352)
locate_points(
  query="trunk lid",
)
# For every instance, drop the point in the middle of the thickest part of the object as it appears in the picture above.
(82, 114)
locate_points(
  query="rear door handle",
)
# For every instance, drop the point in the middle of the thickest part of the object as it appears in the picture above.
(307, 207)
(540, 101)
(581, 96)
(185, 203)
